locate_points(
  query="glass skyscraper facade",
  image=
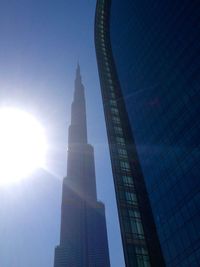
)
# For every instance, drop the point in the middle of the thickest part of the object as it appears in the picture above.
(154, 49)
(139, 237)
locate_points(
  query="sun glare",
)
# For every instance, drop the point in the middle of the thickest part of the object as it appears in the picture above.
(22, 145)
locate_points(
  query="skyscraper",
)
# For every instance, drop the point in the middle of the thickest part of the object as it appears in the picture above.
(83, 237)
(139, 237)
(148, 55)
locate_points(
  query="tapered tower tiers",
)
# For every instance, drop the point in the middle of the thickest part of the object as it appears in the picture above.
(83, 237)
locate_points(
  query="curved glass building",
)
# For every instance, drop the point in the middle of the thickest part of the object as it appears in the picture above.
(139, 237)
(148, 55)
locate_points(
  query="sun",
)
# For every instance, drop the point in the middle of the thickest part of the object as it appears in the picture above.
(22, 145)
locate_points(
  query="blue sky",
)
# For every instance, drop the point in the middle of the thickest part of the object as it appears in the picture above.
(41, 42)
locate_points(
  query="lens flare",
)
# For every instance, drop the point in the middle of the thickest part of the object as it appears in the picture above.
(22, 145)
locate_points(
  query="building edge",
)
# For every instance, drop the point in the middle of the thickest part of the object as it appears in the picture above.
(139, 236)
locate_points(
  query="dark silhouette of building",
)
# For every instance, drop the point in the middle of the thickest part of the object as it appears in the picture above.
(139, 237)
(83, 237)
(148, 55)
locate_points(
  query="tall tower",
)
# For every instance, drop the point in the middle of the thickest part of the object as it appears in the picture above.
(83, 236)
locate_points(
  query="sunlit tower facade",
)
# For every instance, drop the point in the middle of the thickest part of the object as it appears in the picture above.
(83, 236)
(139, 237)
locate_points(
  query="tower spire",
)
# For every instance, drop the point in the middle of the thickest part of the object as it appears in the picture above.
(78, 127)
(78, 71)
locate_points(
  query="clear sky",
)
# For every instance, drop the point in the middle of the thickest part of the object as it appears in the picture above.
(40, 44)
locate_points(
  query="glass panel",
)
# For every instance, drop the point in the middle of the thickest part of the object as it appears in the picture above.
(139, 227)
(125, 165)
(122, 152)
(116, 119)
(113, 103)
(131, 197)
(134, 213)
(127, 180)
(114, 111)
(118, 130)
(120, 140)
